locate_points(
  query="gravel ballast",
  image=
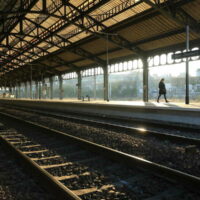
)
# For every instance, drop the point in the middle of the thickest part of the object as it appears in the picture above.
(177, 156)
(15, 184)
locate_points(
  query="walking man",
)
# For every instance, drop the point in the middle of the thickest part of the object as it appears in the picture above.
(162, 90)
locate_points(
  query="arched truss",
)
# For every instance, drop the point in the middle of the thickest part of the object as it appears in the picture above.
(25, 33)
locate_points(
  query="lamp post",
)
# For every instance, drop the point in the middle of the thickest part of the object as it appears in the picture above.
(187, 66)
(31, 79)
(186, 55)
(106, 73)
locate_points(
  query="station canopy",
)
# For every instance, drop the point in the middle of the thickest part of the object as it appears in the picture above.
(52, 37)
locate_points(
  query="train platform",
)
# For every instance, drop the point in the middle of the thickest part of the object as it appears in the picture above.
(162, 104)
(164, 113)
(171, 104)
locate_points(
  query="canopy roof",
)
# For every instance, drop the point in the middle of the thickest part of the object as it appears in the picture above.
(57, 36)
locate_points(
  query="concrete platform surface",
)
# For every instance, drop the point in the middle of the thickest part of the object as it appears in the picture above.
(165, 113)
(150, 104)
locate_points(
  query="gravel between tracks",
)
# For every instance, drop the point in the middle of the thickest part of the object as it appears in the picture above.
(163, 152)
(15, 184)
(107, 179)
(159, 128)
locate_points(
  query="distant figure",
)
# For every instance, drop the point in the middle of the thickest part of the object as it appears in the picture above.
(162, 90)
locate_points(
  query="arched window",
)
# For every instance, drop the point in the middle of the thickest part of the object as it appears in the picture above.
(130, 65)
(163, 59)
(169, 58)
(140, 64)
(125, 66)
(135, 64)
(156, 60)
(150, 61)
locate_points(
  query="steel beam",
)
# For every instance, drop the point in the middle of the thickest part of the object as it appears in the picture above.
(106, 83)
(61, 91)
(145, 79)
(114, 38)
(51, 87)
(79, 85)
(74, 17)
(175, 13)
(28, 4)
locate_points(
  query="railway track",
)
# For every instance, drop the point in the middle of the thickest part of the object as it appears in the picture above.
(180, 154)
(124, 128)
(74, 168)
(15, 182)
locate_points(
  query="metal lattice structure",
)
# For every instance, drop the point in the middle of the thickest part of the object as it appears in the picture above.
(51, 37)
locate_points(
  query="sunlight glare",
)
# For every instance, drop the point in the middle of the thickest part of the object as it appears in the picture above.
(143, 130)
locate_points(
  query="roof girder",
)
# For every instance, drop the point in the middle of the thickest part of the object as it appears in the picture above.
(55, 58)
(78, 51)
(154, 38)
(10, 25)
(175, 13)
(114, 38)
(85, 53)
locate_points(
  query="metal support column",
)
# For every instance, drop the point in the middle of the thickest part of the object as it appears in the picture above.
(31, 91)
(26, 91)
(10, 90)
(19, 90)
(145, 79)
(187, 67)
(79, 84)
(51, 87)
(36, 90)
(39, 90)
(5, 88)
(105, 83)
(60, 87)
(16, 91)
(4, 91)
(43, 89)
(95, 85)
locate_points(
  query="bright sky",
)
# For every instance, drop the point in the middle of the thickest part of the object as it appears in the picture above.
(172, 69)
(176, 69)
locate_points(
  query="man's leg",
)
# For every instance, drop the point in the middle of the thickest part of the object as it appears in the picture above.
(165, 98)
(158, 98)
